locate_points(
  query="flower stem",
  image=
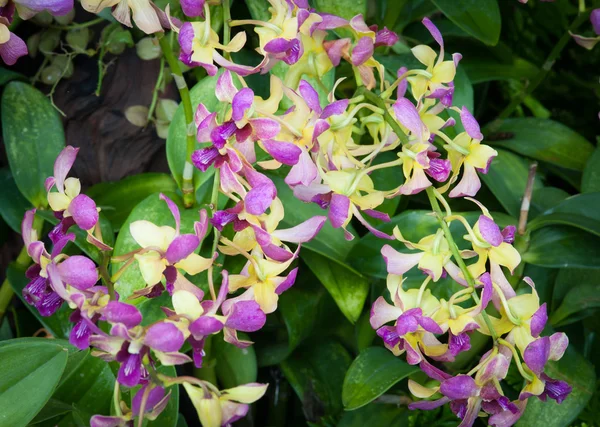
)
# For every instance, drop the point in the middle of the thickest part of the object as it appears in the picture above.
(226, 26)
(214, 204)
(159, 80)
(187, 179)
(375, 99)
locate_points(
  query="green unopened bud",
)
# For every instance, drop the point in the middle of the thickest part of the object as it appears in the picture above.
(78, 39)
(33, 44)
(162, 129)
(42, 19)
(148, 49)
(64, 64)
(49, 40)
(137, 115)
(51, 75)
(65, 19)
(165, 109)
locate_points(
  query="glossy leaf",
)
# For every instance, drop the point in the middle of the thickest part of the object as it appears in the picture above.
(259, 9)
(235, 366)
(480, 18)
(591, 174)
(12, 203)
(8, 75)
(507, 179)
(203, 91)
(316, 372)
(485, 70)
(344, 8)
(117, 199)
(580, 375)
(544, 199)
(58, 324)
(30, 372)
(348, 288)
(563, 246)
(299, 309)
(364, 333)
(541, 139)
(581, 211)
(580, 302)
(156, 211)
(371, 374)
(376, 414)
(32, 130)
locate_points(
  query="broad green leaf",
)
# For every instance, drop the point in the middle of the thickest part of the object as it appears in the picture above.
(259, 9)
(364, 332)
(568, 278)
(117, 199)
(480, 71)
(30, 372)
(343, 8)
(544, 199)
(203, 91)
(591, 174)
(348, 288)
(58, 324)
(156, 211)
(81, 236)
(541, 139)
(316, 372)
(235, 366)
(507, 179)
(7, 75)
(376, 414)
(580, 375)
(581, 211)
(299, 308)
(580, 302)
(33, 136)
(480, 18)
(371, 374)
(563, 246)
(12, 203)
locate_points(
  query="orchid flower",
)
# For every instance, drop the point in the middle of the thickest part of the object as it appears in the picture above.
(29, 8)
(590, 42)
(147, 16)
(222, 408)
(12, 47)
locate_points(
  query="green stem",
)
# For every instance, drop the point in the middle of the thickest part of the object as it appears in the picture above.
(101, 69)
(546, 66)
(156, 88)
(226, 27)
(187, 178)
(214, 204)
(456, 255)
(374, 99)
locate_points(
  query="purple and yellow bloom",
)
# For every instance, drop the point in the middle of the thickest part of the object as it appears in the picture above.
(12, 47)
(147, 16)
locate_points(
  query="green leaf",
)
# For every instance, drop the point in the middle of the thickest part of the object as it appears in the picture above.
(480, 18)
(299, 308)
(580, 375)
(117, 199)
(372, 373)
(259, 9)
(8, 75)
(581, 211)
(580, 302)
(541, 139)
(235, 366)
(81, 235)
(507, 179)
(544, 199)
(376, 414)
(563, 246)
(156, 211)
(30, 372)
(480, 71)
(364, 332)
(591, 174)
(347, 9)
(348, 288)
(203, 91)
(316, 372)
(33, 136)
(58, 324)
(12, 203)
(168, 417)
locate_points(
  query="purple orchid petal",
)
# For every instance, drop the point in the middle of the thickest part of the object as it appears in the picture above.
(329, 22)
(303, 232)
(428, 405)
(193, 8)
(130, 371)
(469, 185)
(233, 411)
(186, 39)
(205, 157)
(408, 115)
(164, 337)
(289, 51)
(288, 282)
(538, 321)
(246, 316)
(181, 247)
(382, 313)
(120, 312)
(79, 272)
(407, 323)
(339, 210)
(106, 421)
(507, 418)
(595, 19)
(556, 389)
(303, 172)
(488, 289)
(508, 234)
(337, 49)
(264, 128)
(439, 169)
(362, 51)
(490, 231)
(197, 350)
(12, 49)
(35, 289)
(258, 200)
(320, 127)
(222, 133)
(558, 345)
(310, 95)
(459, 387)
(154, 397)
(242, 101)
(54, 7)
(430, 325)
(389, 335)
(63, 165)
(458, 343)
(386, 37)
(84, 212)
(174, 211)
(537, 354)
(284, 152)
(470, 124)
(49, 304)
(205, 325)
(398, 262)
(433, 372)
(225, 89)
(433, 30)
(335, 108)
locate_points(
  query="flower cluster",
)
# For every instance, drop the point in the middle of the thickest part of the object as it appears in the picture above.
(327, 149)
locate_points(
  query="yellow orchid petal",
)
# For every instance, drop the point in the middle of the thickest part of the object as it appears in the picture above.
(433, 264)
(202, 54)
(418, 85)
(145, 16)
(151, 266)
(480, 155)
(421, 391)
(444, 72)
(187, 304)
(207, 406)
(271, 104)
(505, 255)
(194, 264)
(523, 306)
(58, 201)
(147, 234)
(424, 54)
(265, 296)
(536, 387)
(4, 34)
(245, 393)
(236, 43)
(72, 187)
(237, 281)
